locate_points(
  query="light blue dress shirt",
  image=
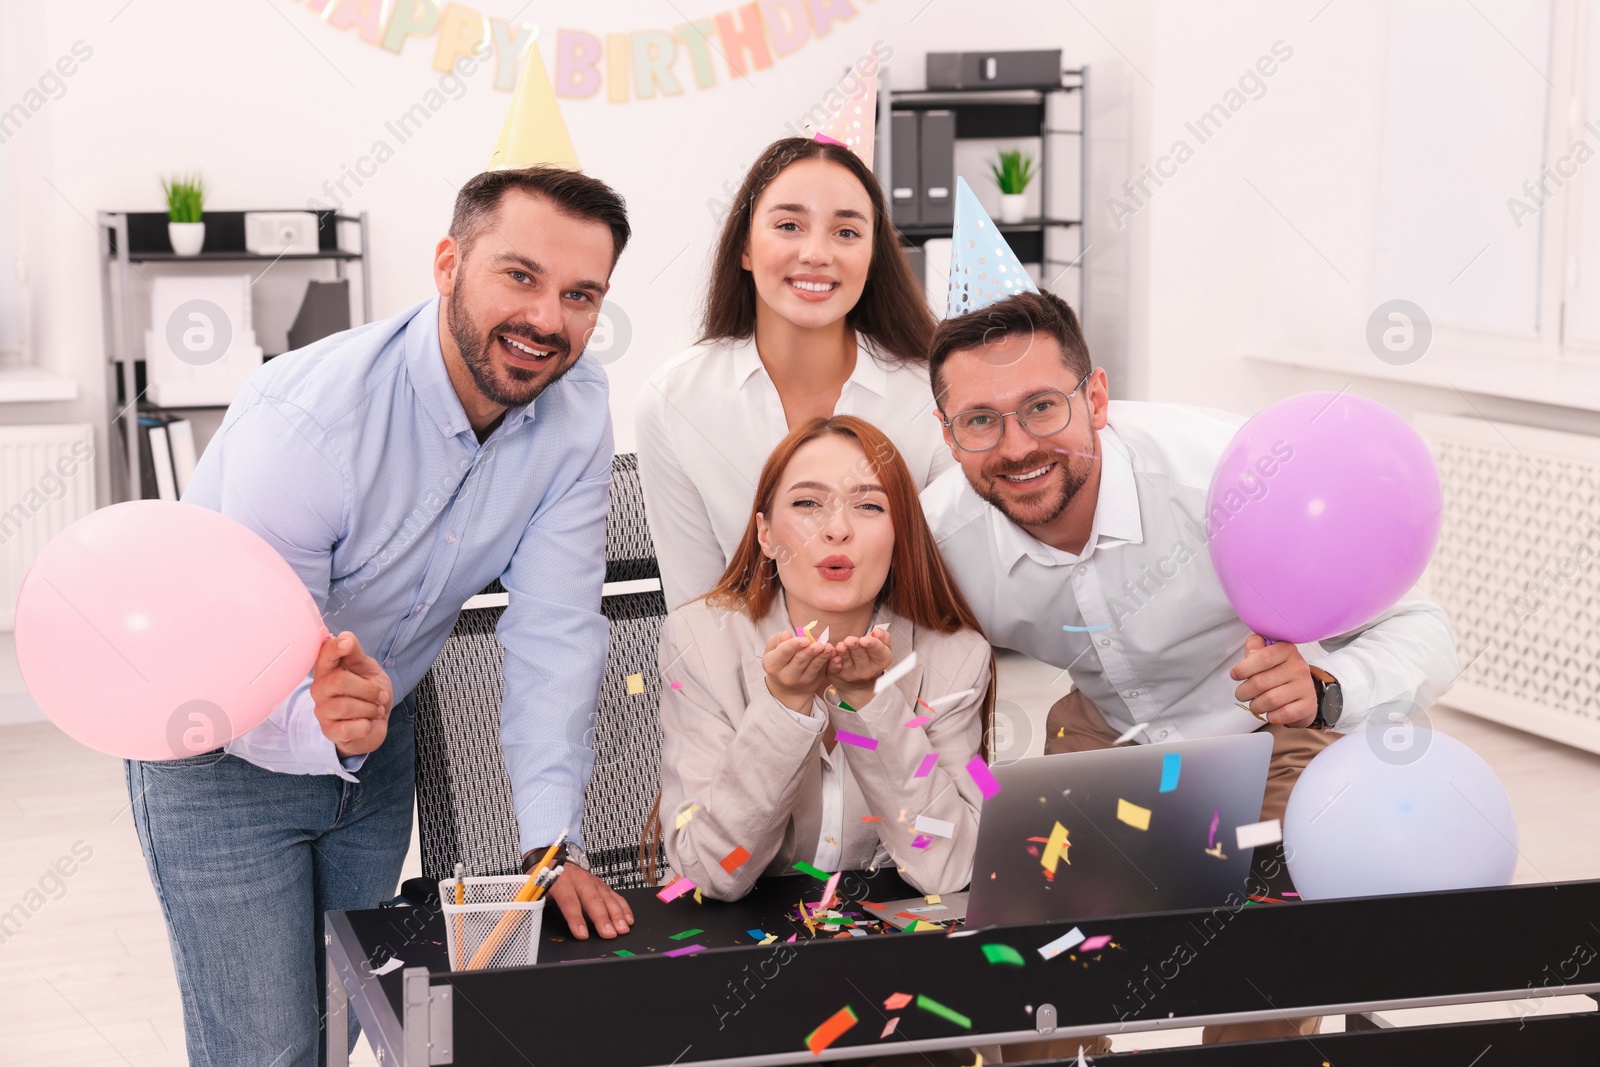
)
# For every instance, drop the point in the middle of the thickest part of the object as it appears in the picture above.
(354, 459)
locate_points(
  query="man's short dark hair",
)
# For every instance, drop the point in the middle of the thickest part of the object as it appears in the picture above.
(1026, 313)
(573, 193)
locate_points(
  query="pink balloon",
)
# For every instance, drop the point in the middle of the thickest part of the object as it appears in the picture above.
(1323, 512)
(155, 630)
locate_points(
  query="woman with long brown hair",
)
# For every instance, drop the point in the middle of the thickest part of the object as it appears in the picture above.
(813, 311)
(827, 695)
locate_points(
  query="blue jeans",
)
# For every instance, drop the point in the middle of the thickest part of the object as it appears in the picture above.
(244, 862)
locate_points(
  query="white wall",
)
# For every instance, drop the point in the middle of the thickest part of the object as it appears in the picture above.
(271, 105)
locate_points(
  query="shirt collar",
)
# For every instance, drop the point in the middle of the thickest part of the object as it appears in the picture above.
(868, 373)
(431, 381)
(1116, 513)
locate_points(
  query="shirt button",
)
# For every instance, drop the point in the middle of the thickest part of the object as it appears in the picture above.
(1105, 642)
(389, 662)
(450, 537)
(1163, 733)
(1080, 568)
(1132, 693)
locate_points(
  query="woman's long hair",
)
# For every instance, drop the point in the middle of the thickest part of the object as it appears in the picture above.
(918, 586)
(892, 312)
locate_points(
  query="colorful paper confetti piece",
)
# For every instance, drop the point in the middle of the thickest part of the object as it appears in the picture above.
(1096, 942)
(635, 684)
(827, 891)
(1087, 629)
(686, 814)
(1070, 939)
(895, 672)
(697, 899)
(622, 952)
(685, 950)
(1216, 820)
(845, 706)
(845, 737)
(1003, 954)
(1171, 767)
(872, 818)
(874, 907)
(825, 632)
(675, 890)
(897, 1001)
(888, 1027)
(675, 685)
(928, 763)
(681, 934)
(1129, 734)
(950, 700)
(1055, 849)
(735, 859)
(829, 1032)
(757, 935)
(921, 841)
(816, 872)
(1257, 834)
(937, 827)
(980, 773)
(918, 721)
(930, 1005)
(934, 898)
(1133, 815)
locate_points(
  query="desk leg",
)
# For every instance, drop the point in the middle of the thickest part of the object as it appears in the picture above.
(337, 1021)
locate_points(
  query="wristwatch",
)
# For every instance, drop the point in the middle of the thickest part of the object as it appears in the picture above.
(1330, 699)
(567, 853)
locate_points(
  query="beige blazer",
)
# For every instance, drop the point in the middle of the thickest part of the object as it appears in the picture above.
(755, 771)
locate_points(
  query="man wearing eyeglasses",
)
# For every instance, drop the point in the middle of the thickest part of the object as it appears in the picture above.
(1077, 530)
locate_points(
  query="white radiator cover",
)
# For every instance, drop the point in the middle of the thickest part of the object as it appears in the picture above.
(46, 484)
(1518, 571)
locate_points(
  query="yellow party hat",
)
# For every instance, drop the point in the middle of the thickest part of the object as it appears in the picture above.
(534, 133)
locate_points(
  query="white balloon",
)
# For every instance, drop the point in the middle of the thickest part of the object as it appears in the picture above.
(1398, 809)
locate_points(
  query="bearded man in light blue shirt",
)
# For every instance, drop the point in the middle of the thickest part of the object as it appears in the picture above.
(400, 468)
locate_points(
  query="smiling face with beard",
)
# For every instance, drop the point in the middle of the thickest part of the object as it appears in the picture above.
(521, 300)
(1046, 485)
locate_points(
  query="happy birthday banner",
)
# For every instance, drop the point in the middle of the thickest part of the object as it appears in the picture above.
(630, 66)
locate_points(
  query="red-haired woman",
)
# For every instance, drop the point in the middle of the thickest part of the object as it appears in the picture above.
(812, 311)
(780, 735)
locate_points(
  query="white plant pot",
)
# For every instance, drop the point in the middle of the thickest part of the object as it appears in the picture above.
(1011, 206)
(187, 237)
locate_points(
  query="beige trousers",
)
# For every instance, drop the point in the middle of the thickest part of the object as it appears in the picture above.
(1074, 724)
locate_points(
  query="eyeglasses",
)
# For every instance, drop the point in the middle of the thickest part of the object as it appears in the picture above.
(1042, 415)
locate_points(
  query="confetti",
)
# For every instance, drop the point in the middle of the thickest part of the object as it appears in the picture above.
(392, 963)
(805, 631)
(1096, 942)
(635, 684)
(686, 950)
(1002, 954)
(1055, 850)
(675, 889)
(757, 935)
(1257, 834)
(697, 899)
(921, 841)
(933, 1006)
(675, 685)
(1086, 629)
(681, 934)
(888, 1027)
(686, 814)
(622, 952)
(980, 773)
(816, 872)
(918, 721)
(937, 827)
(1171, 767)
(1070, 939)
(827, 892)
(845, 737)
(735, 859)
(928, 762)
(1216, 820)
(933, 898)
(897, 1001)
(846, 706)
(874, 907)
(824, 638)
(830, 1031)
(950, 700)
(1133, 815)
(1129, 734)
(872, 818)
(896, 672)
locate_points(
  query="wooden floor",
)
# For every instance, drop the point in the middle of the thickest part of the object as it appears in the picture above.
(88, 979)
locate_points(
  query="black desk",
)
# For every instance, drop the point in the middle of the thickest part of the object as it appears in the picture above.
(741, 1003)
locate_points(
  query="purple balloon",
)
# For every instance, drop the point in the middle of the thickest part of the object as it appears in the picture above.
(1323, 512)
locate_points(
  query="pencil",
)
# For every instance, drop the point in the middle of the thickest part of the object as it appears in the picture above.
(508, 921)
(461, 898)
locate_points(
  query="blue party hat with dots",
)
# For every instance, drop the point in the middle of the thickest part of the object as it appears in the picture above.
(983, 269)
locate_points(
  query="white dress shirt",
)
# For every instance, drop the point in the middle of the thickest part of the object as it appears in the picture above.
(709, 418)
(1155, 634)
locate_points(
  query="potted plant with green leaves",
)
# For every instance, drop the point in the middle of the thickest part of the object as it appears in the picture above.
(1012, 174)
(185, 202)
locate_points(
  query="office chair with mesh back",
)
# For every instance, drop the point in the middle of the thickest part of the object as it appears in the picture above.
(464, 808)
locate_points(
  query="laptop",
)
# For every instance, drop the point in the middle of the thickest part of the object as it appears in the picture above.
(1148, 828)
